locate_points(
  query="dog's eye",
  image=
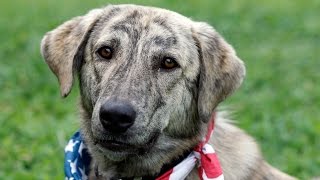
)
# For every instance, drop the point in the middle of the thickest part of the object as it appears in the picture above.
(105, 52)
(168, 63)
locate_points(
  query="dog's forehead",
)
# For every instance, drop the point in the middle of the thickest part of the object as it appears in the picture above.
(145, 15)
(146, 21)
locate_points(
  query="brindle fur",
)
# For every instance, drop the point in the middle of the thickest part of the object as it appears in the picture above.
(173, 107)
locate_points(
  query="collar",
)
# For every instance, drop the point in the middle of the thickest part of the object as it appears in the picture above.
(77, 161)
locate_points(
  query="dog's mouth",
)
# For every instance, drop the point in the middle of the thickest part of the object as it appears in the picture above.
(120, 146)
(113, 145)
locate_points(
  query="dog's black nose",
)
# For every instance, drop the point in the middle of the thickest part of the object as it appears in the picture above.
(117, 116)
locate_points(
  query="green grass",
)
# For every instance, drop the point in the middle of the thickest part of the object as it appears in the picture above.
(278, 103)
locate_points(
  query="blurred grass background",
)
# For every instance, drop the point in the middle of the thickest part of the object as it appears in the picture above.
(278, 103)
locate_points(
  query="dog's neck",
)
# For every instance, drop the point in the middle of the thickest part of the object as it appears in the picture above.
(165, 168)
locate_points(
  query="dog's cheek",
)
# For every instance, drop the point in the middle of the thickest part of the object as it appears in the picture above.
(159, 121)
(183, 113)
(88, 87)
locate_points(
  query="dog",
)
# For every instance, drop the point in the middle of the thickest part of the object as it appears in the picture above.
(150, 81)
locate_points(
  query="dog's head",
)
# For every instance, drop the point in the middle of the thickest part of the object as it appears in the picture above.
(149, 78)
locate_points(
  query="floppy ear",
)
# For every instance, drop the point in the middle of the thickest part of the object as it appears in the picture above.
(60, 46)
(221, 71)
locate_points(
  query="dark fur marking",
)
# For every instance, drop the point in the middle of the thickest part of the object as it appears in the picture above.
(133, 30)
(79, 56)
(217, 84)
(216, 47)
(192, 88)
(174, 83)
(100, 24)
(160, 21)
(160, 99)
(131, 19)
(163, 23)
(198, 45)
(87, 105)
(113, 12)
(164, 42)
(96, 73)
(147, 92)
(88, 110)
(121, 27)
(46, 48)
(118, 78)
(200, 55)
(157, 104)
(121, 74)
(135, 15)
(134, 37)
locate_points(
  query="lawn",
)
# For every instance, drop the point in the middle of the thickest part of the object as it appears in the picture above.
(278, 103)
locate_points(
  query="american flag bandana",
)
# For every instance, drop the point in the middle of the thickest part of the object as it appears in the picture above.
(77, 160)
(202, 155)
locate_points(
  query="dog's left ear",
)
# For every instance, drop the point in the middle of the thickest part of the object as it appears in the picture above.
(60, 47)
(221, 71)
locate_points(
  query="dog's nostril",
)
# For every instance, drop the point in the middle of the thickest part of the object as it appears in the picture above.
(117, 116)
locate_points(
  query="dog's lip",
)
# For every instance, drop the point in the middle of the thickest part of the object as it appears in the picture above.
(114, 145)
(120, 146)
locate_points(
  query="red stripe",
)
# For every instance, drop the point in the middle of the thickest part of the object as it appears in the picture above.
(200, 172)
(210, 127)
(165, 176)
(211, 165)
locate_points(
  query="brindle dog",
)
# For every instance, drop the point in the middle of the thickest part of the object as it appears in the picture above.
(150, 80)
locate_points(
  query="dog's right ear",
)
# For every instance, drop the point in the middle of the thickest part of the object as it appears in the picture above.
(60, 46)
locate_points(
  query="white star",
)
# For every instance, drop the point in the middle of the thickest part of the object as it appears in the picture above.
(70, 145)
(84, 176)
(73, 166)
(81, 147)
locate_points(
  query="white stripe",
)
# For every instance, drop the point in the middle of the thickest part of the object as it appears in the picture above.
(211, 134)
(196, 154)
(208, 149)
(204, 176)
(183, 169)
